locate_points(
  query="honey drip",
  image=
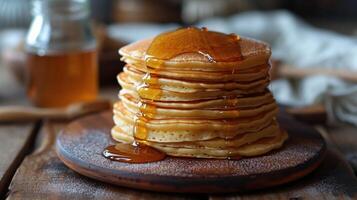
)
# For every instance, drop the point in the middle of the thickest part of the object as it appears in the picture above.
(149, 89)
(216, 47)
(133, 154)
(235, 158)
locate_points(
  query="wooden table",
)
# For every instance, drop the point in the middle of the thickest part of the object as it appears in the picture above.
(30, 169)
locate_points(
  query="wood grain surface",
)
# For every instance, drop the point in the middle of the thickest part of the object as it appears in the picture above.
(43, 176)
(344, 137)
(334, 179)
(15, 142)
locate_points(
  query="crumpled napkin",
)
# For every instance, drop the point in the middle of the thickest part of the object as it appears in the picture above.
(295, 43)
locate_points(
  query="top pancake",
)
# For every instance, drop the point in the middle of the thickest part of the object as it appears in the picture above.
(254, 53)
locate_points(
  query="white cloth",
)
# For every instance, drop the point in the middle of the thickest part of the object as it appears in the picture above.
(295, 43)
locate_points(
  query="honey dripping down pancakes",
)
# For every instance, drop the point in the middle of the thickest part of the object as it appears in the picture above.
(196, 93)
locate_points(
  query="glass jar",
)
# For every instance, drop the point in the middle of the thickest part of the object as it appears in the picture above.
(61, 54)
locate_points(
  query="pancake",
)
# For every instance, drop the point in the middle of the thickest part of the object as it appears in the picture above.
(180, 85)
(255, 53)
(258, 147)
(219, 103)
(251, 74)
(254, 149)
(197, 93)
(187, 129)
(221, 143)
(184, 95)
(164, 113)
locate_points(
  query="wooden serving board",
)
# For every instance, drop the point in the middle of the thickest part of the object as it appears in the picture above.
(81, 143)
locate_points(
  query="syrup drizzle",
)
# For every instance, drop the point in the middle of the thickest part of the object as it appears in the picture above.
(235, 158)
(133, 154)
(215, 46)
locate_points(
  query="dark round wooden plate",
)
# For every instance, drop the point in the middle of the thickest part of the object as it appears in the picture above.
(81, 143)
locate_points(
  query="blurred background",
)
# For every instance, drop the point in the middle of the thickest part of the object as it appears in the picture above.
(314, 44)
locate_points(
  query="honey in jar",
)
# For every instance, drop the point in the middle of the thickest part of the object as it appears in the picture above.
(61, 54)
(61, 79)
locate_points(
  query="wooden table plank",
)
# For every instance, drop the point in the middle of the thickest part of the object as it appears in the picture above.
(43, 176)
(344, 136)
(334, 179)
(15, 142)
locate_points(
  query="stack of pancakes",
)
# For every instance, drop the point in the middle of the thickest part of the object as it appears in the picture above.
(192, 107)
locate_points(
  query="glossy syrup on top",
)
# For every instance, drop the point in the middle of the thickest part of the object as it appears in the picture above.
(216, 47)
